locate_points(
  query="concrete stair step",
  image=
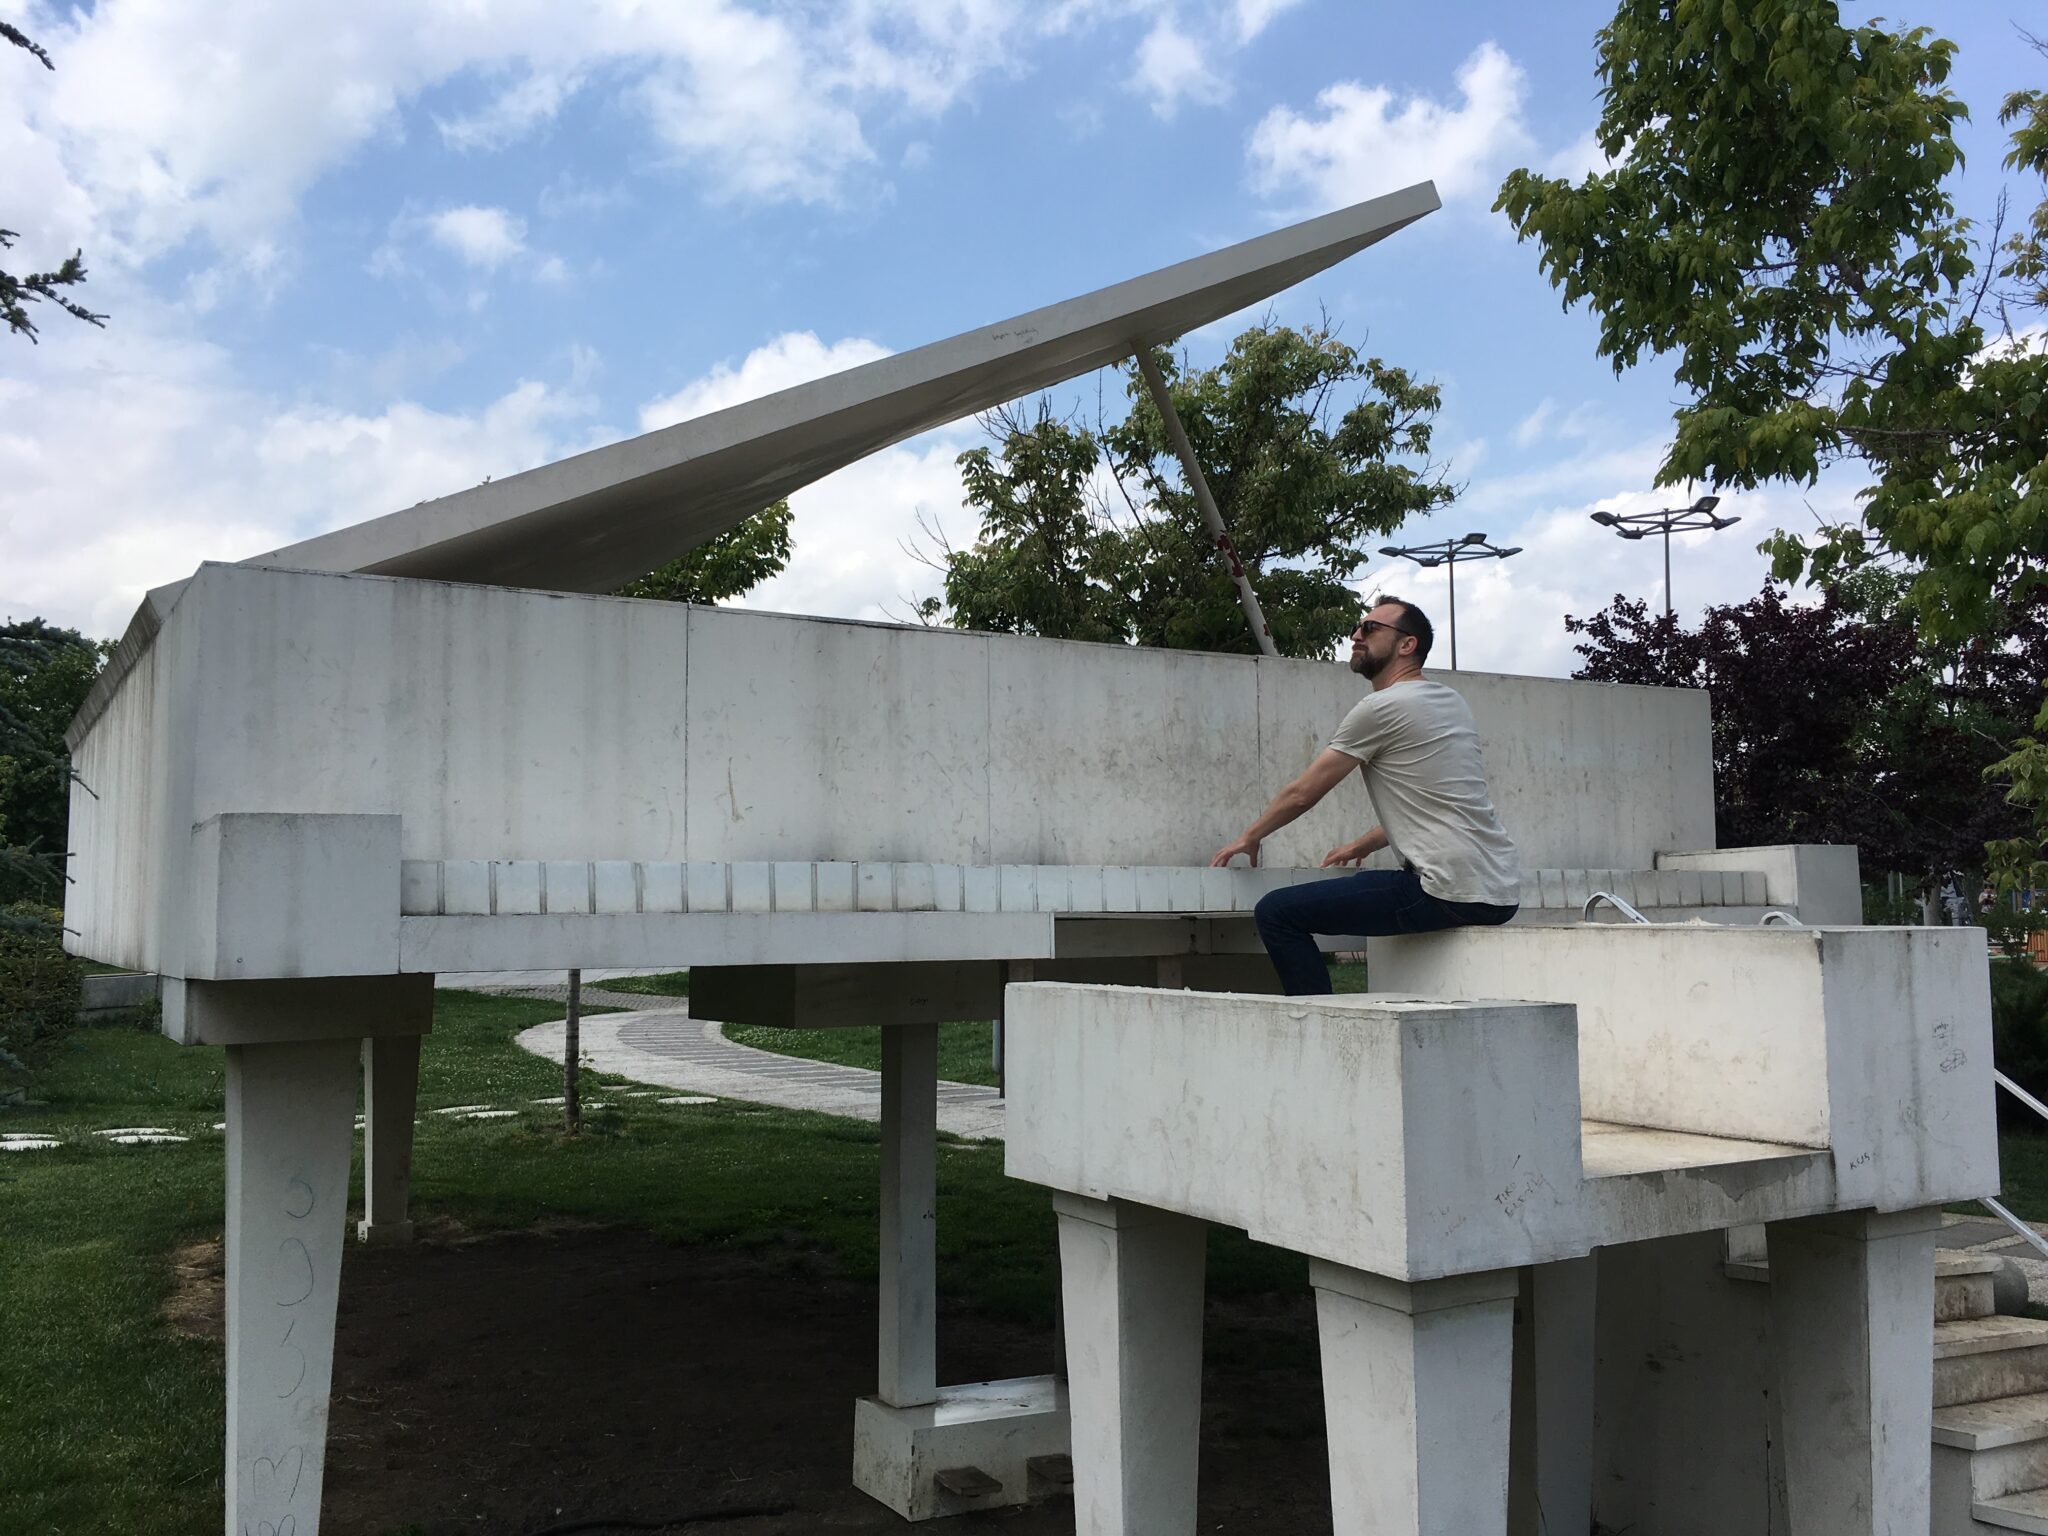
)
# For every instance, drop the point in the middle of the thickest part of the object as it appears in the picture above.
(1978, 1359)
(1964, 1287)
(2015, 1512)
(2004, 1443)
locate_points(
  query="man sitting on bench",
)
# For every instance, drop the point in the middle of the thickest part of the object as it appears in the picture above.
(1415, 742)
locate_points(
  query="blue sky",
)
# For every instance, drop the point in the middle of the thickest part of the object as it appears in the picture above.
(359, 256)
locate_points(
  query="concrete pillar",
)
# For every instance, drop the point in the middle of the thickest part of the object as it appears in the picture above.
(1131, 1280)
(1852, 1330)
(1550, 1489)
(1416, 1386)
(289, 1108)
(391, 1094)
(908, 1356)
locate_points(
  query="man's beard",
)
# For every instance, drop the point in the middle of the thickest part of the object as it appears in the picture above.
(1369, 666)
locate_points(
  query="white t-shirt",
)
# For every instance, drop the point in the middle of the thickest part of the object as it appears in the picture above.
(1427, 780)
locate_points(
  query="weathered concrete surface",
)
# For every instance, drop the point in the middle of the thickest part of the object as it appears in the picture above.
(1804, 1036)
(680, 735)
(1453, 1125)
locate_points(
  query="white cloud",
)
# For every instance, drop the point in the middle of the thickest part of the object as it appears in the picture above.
(1511, 612)
(122, 155)
(1171, 69)
(793, 358)
(131, 458)
(1363, 140)
(850, 531)
(513, 114)
(1579, 159)
(1252, 16)
(482, 237)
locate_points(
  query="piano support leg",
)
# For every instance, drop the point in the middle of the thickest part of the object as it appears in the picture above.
(925, 1450)
(908, 1375)
(391, 1092)
(1852, 1303)
(1416, 1390)
(289, 1108)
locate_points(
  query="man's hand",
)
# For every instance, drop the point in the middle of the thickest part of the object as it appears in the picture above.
(1248, 846)
(1358, 850)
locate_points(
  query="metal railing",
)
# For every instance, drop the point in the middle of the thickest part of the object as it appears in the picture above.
(1627, 911)
(1991, 1205)
(1784, 919)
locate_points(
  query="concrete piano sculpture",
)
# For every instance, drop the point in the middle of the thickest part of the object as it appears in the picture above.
(427, 744)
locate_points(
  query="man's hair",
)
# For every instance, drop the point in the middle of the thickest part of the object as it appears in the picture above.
(1414, 620)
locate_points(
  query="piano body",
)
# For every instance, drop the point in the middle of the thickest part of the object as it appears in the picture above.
(428, 744)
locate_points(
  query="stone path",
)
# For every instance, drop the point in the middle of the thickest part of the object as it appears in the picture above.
(658, 1042)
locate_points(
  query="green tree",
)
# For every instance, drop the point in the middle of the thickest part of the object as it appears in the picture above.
(17, 293)
(1312, 452)
(1777, 222)
(723, 567)
(45, 674)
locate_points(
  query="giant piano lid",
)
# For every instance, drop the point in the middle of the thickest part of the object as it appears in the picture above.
(603, 518)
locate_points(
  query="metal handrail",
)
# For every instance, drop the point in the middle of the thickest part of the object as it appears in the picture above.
(1774, 916)
(1627, 911)
(1986, 1201)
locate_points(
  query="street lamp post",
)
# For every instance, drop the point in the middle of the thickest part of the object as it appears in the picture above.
(1447, 553)
(1640, 525)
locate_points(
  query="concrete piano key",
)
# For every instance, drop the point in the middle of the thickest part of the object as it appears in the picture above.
(1691, 889)
(835, 886)
(916, 888)
(1019, 889)
(706, 887)
(1550, 885)
(466, 887)
(1713, 888)
(1578, 885)
(661, 887)
(1084, 888)
(1184, 889)
(793, 886)
(981, 888)
(1119, 888)
(874, 887)
(615, 886)
(1219, 891)
(1155, 888)
(565, 886)
(753, 887)
(1756, 888)
(419, 887)
(946, 888)
(515, 887)
(1670, 888)
(1053, 887)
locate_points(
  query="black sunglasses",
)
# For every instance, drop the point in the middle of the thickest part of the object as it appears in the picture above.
(1369, 625)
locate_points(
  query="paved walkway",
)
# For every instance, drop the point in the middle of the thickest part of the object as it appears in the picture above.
(660, 1044)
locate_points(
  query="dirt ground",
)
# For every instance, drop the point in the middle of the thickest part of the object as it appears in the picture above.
(598, 1380)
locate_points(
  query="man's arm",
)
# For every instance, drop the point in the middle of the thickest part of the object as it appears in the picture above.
(1314, 782)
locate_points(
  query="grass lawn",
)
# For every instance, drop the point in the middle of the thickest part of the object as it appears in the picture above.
(112, 1421)
(667, 984)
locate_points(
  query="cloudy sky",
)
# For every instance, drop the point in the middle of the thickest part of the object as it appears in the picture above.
(356, 256)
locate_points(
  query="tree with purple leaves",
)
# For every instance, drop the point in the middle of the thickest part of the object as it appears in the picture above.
(1842, 721)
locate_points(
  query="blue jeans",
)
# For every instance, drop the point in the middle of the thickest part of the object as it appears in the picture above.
(1372, 902)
